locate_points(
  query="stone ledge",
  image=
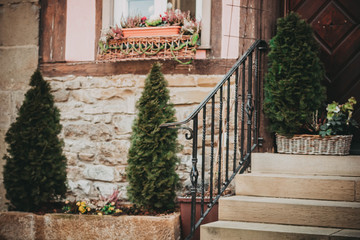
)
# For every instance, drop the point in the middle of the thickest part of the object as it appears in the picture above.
(21, 225)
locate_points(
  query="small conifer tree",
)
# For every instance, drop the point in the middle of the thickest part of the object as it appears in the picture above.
(293, 89)
(35, 168)
(152, 155)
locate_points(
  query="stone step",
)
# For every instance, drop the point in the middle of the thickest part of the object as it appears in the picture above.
(290, 211)
(333, 188)
(305, 164)
(229, 230)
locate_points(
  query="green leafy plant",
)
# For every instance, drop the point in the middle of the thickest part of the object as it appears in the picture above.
(152, 155)
(339, 119)
(35, 168)
(293, 89)
(109, 208)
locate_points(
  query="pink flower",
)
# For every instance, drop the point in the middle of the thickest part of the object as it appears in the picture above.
(143, 19)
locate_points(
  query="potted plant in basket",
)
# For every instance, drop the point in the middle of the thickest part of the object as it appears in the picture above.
(293, 89)
(294, 95)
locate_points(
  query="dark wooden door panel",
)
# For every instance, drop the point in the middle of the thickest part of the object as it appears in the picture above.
(337, 29)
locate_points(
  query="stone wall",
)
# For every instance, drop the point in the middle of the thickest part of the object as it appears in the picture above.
(29, 226)
(19, 36)
(97, 115)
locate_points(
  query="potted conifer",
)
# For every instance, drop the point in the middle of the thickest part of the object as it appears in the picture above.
(294, 95)
(293, 90)
(152, 155)
(35, 168)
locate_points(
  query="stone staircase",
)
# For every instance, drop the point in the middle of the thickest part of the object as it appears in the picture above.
(292, 197)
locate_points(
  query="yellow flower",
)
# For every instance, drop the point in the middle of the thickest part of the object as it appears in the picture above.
(78, 203)
(88, 209)
(118, 210)
(82, 209)
(100, 214)
(111, 208)
(112, 203)
(67, 202)
(83, 204)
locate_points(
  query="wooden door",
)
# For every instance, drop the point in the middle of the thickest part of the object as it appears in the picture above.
(336, 28)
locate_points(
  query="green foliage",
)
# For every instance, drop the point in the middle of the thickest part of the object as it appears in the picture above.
(152, 155)
(108, 209)
(293, 89)
(339, 119)
(35, 168)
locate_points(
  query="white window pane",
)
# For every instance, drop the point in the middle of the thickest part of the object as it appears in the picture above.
(141, 7)
(120, 11)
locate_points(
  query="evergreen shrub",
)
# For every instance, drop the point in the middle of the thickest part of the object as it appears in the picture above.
(293, 89)
(152, 155)
(35, 168)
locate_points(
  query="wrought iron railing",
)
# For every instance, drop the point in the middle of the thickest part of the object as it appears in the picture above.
(220, 131)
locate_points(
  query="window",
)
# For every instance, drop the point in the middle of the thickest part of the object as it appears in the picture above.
(124, 8)
(115, 10)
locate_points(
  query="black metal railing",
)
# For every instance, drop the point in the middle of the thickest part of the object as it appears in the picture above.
(222, 138)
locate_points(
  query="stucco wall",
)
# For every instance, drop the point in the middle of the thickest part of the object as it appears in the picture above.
(19, 31)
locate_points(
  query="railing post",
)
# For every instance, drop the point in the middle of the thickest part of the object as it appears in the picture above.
(249, 107)
(203, 161)
(235, 116)
(194, 174)
(242, 134)
(220, 138)
(212, 146)
(227, 131)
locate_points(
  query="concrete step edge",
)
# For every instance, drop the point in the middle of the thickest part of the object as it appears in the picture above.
(306, 164)
(292, 201)
(301, 176)
(266, 227)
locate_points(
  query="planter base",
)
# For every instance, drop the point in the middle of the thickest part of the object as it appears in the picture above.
(314, 144)
(185, 212)
(20, 225)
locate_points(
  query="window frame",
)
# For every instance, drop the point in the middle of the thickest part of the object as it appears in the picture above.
(203, 13)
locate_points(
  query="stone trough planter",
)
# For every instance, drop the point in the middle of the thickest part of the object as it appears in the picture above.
(22, 225)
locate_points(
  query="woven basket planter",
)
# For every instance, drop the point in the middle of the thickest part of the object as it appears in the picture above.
(314, 144)
(145, 48)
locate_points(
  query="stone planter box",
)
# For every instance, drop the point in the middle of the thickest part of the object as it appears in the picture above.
(22, 225)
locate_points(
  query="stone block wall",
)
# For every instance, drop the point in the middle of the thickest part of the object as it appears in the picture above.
(19, 37)
(97, 115)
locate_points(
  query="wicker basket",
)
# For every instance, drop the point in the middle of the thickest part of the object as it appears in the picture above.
(314, 144)
(144, 48)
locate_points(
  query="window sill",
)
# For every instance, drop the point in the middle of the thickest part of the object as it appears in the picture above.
(141, 67)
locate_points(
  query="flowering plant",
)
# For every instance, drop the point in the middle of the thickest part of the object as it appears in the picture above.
(176, 17)
(81, 207)
(339, 119)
